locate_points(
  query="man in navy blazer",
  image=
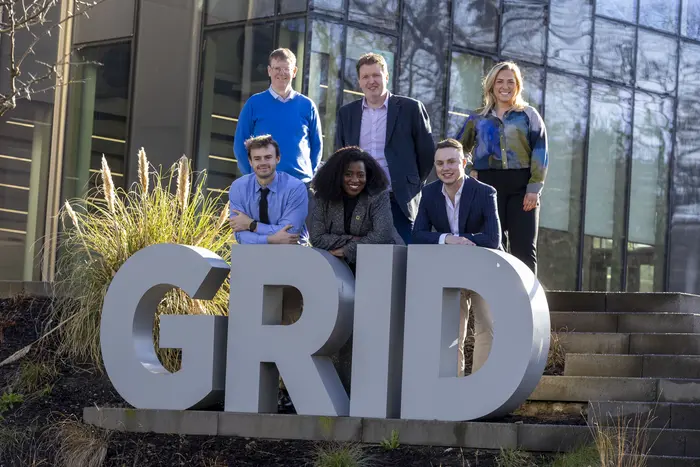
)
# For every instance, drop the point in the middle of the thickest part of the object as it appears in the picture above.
(395, 130)
(460, 210)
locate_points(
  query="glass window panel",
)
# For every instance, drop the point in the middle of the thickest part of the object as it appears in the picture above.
(651, 153)
(659, 14)
(466, 92)
(476, 23)
(359, 43)
(684, 274)
(657, 58)
(324, 77)
(424, 48)
(570, 35)
(613, 51)
(690, 24)
(533, 85)
(560, 211)
(292, 6)
(225, 11)
(523, 29)
(625, 10)
(381, 13)
(608, 148)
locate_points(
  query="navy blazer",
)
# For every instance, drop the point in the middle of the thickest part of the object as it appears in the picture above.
(409, 147)
(478, 215)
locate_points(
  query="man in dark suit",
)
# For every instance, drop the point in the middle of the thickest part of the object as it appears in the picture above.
(395, 130)
(460, 210)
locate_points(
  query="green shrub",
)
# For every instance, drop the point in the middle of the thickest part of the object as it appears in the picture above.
(108, 225)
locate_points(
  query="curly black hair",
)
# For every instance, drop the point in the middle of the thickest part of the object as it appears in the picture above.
(328, 181)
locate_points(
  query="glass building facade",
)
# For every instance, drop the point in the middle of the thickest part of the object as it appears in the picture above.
(616, 81)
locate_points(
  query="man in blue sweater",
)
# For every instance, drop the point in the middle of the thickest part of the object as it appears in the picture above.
(291, 118)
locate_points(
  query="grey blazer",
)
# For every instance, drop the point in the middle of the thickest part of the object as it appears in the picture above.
(371, 220)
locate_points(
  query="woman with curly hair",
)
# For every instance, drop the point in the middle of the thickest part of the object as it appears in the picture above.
(352, 205)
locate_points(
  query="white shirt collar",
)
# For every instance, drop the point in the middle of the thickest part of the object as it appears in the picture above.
(291, 95)
(458, 195)
(385, 104)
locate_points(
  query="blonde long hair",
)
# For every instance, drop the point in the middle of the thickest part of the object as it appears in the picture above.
(490, 99)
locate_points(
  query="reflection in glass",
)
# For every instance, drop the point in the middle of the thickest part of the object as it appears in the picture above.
(570, 35)
(359, 43)
(476, 23)
(533, 85)
(225, 11)
(381, 13)
(613, 51)
(466, 92)
(659, 14)
(656, 62)
(235, 68)
(292, 6)
(329, 7)
(609, 143)
(684, 274)
(690, 24)
(523, 30)
(651, 153)
(567, 111)
(324, 81)
(424, 48)
(625, 10)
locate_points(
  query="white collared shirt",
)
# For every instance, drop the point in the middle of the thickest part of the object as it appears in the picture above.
(291, 95)
(373, 132)
(452, 211)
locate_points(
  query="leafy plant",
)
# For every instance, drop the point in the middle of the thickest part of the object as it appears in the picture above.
(108, 225)
(8, 401)
(391, 443)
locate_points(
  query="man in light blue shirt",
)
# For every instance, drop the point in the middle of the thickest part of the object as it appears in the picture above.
(268, 206)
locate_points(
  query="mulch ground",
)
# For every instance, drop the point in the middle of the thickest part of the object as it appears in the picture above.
(76, 387)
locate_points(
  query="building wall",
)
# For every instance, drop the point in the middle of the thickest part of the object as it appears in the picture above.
(615, 80)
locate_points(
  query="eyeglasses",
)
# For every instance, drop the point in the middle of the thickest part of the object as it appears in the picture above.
(278, 69)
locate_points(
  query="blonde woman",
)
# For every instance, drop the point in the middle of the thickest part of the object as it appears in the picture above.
(507, 140)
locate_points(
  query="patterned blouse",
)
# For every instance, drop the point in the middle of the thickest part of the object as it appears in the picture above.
(517, 142)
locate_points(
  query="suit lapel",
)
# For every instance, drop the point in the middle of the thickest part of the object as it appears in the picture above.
(442, 223)
(359, 213)
(391, 116)
(356, 123)
(465, 204)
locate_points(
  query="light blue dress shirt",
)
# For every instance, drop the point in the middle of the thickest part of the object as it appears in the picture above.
(287, 204)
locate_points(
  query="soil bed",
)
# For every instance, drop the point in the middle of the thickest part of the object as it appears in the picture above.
(77, 386)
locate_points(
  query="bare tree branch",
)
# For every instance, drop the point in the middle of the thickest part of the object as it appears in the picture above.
(31, 18)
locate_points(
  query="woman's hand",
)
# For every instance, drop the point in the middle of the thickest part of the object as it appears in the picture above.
(338, 253)
(530, 201)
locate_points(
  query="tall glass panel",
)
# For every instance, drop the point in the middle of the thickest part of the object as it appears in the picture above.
(476, 23)
(560, 212)
(97, 123)
(609, 142)
(570, 35)
(292, 6)
(226, 11)
(329, 7)
(690, 19)
(533, 85)
(466, 94)
(657, 58)
(360, 42)
(235, 68)
(613, 51)
(651, 153)
(424, 47)
(685, 220)
(324, 77)
(380, 13)
(659, 14)
(625, 10)
(523, 29)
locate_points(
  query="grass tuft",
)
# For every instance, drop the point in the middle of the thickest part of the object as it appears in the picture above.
(78, 444)
(515, 458)
(620, 440)
(585, 456)
(108, 225)
(341, 455)
(35, 376)
(556, 358)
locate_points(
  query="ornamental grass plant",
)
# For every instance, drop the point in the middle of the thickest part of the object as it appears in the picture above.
(105, 227)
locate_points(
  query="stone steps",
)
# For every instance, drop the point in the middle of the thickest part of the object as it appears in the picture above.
(640, 322)
(672, 415)
(635, 366)
(594, 388)
(623, 302)
(670, 461)
(630, 343)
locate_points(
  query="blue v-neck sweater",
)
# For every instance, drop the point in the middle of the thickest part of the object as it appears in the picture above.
(294, 124)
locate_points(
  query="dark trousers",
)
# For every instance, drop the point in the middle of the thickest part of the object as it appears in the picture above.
(519, 225)
(402, 223)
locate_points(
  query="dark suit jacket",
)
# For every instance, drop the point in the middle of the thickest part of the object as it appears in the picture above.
(409, 148)
(478, 215)
(371, 220)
